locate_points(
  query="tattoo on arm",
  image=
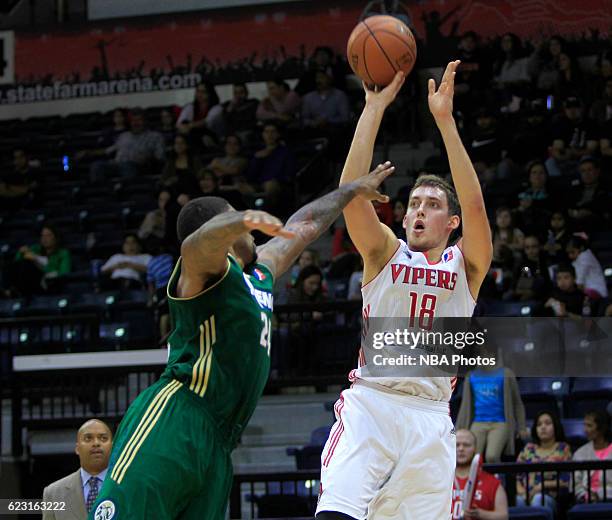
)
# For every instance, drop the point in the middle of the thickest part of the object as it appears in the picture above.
(308, 223)
(206, 249)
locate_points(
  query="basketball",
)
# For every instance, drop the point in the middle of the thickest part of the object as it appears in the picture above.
(379, 47)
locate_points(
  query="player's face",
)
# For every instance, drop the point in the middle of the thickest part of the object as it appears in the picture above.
(545, 428)
(466, 449)
(427, 221)
(94, 443)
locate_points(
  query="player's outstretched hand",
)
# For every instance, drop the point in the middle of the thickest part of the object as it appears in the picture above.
(441, 100)
(367, 186)
(266, 223)
(383, 98)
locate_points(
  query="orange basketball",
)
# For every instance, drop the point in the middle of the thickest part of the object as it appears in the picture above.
(380, 46)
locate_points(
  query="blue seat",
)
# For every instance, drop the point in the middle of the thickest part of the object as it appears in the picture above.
(574, 432)
(309, 456)
(45, 305)
(529, 513)
(114, 334)
(590, 512)
(588, 393)
(8, 308)
(94, 302)
(507, 309)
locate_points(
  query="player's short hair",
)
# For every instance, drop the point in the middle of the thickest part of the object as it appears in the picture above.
(197, 212)
(438, 182)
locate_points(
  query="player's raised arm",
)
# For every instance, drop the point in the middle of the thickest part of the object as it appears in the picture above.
(204, 252)
(313, 219)
(371, 238)
(476, 242)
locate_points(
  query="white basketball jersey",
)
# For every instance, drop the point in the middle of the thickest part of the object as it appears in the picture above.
(409, 285)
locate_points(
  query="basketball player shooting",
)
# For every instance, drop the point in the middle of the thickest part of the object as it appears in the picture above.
(391, 452)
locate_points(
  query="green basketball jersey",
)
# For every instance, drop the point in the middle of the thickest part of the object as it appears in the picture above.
(220, 346)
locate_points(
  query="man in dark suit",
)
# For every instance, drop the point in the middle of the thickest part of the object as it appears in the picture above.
(79, 490)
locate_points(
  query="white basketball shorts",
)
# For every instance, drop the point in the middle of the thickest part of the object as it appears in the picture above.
(388, 456)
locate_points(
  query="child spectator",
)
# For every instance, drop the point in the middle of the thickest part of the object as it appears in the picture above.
(566, 299)
(589, 274)
(558, 236)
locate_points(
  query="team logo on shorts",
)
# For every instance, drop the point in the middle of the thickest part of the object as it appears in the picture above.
(105, 510)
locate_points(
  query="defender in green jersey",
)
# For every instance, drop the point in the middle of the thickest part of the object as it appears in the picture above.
(171, 453)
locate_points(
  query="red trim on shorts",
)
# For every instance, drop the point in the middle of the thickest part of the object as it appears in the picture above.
(335, 437)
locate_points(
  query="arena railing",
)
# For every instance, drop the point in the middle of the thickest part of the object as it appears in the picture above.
(60, 385)
(299, 489)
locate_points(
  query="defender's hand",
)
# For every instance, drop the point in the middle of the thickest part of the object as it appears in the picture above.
(441, 101)
(266, 223)
(367, 186)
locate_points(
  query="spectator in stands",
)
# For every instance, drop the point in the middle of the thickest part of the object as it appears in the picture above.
(202, 119)
(506, 235)
(590, 209)
(208, 184)
(322, 60)
(17, 187)
(38, 268)
(579, 134)
(569, 81)
(566, 299)
(272, 167)
(181, 169)
(559, 162)
(509, 69)
(326, 107)
(472, 75)
(589, 274)
(308, 289)
(240, 112)
(489, 500)
(232, 165)
(532, 281)
(534, 202)
(527, 136)
(79, 490)
(597, 430)
(120, 125)
(399, 212)
(159, 270)
(491, 407)
(153, 225)
(167, 125)
(307, 258)
(558, 236)
(136, 151)
(281, 104)
(484, 140)
(543, 63)
(126, 269)
(548, 445)
(601, 109)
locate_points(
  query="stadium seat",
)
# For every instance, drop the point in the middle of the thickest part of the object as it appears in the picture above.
(309, 456)
(8, 308)
(542, 393)
(590, 512)
(588, 393)
(45, 305)
(528, 513)
(574, 432)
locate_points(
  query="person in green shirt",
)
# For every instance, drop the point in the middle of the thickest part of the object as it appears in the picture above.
(37, 267)
(171, 457)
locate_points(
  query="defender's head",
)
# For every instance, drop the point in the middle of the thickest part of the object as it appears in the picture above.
(433, 213)
(199, 211)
